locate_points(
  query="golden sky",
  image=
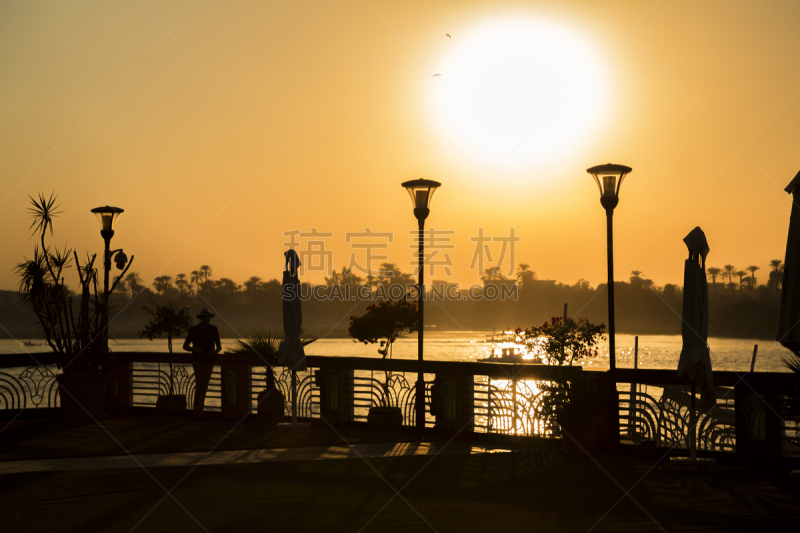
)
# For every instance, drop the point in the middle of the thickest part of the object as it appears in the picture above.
(218, 126)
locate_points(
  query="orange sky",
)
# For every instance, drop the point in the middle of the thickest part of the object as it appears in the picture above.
(219, 126)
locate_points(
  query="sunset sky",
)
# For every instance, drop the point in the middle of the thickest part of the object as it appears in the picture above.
(218, 126)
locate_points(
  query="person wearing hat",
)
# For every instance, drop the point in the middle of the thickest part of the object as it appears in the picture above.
(203, 342)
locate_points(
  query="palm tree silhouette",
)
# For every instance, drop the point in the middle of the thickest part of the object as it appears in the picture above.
(776, 275)
(180, 282)
(195, 278)
(205, 274)
(752, 269)
(251, 286)
(206, 271)
(162, 284)
(134, 282)
(741, 274)
(492, 274)
(714, 272)
(729, 271)
(525, 275)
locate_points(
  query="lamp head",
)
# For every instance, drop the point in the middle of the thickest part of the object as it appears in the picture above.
(108, 218)
(609, 180)
(421, 192)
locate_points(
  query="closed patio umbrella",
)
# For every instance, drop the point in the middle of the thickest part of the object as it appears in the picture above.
(291, 351)
(695, 360)
(789, 318)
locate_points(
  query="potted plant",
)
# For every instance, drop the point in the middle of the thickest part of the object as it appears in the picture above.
(383, 323)
(570, 404)
(72, 323)
(169, 321)
(263, 346)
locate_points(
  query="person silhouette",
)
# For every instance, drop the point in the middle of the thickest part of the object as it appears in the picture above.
(203, 342)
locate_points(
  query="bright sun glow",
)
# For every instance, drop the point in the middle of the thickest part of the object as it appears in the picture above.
(521, 84)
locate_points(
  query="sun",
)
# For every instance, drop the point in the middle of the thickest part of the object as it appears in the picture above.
(522, 84)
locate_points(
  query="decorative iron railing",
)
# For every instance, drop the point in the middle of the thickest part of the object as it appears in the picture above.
(748, 417)
(663, 414)
(490, 398)
(32, 387)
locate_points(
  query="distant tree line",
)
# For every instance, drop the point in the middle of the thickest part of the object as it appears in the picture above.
(738, 305)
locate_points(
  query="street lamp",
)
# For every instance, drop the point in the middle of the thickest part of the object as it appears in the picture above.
(108, 218)
(609, 179)
(421, 192)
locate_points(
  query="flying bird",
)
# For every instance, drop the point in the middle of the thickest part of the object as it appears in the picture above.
(436, 75)
(448, 35)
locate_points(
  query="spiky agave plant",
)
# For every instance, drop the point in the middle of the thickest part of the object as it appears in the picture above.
(264, 346)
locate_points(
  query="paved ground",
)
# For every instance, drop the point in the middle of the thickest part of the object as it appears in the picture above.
(285, 481)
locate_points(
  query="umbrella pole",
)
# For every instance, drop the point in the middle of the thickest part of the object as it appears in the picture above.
(693, 425)
(294, 397)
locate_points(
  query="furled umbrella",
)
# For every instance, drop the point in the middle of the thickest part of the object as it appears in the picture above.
(789, 318)
(291, 352)
(695, 360)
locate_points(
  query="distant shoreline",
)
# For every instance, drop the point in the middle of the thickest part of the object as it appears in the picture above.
(342, 334)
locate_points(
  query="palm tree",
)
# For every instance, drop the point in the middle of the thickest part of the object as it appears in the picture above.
(741, 274)
(195, 278)
(714, 272)
(729, 270)
(524, 274)
(134, 282)
(492, 274)
(180, 282)
(251, 286)
(206, 271)
(776, 275)
(752, 269)
(162, 284)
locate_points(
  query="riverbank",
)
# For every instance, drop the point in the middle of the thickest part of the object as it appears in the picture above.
(638, 312)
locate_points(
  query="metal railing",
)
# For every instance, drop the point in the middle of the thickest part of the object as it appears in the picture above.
(487, 398)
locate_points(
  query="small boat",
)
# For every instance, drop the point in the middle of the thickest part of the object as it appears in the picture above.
(505, 349)
(30, 343)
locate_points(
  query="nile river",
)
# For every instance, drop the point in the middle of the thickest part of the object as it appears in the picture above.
(655, 351)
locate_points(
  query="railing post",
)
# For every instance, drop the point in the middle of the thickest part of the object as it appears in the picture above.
(610, 386)
(346, 394)
(452, 401)
(124, 385)
(759, 430)
(514, 399)
(632, 411)
(236, 391)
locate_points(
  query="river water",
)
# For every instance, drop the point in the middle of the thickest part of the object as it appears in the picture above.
(655, 351)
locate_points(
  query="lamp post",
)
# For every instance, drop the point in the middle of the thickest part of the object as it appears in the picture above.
(421, 191)
(108, 217)
(609, 179)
